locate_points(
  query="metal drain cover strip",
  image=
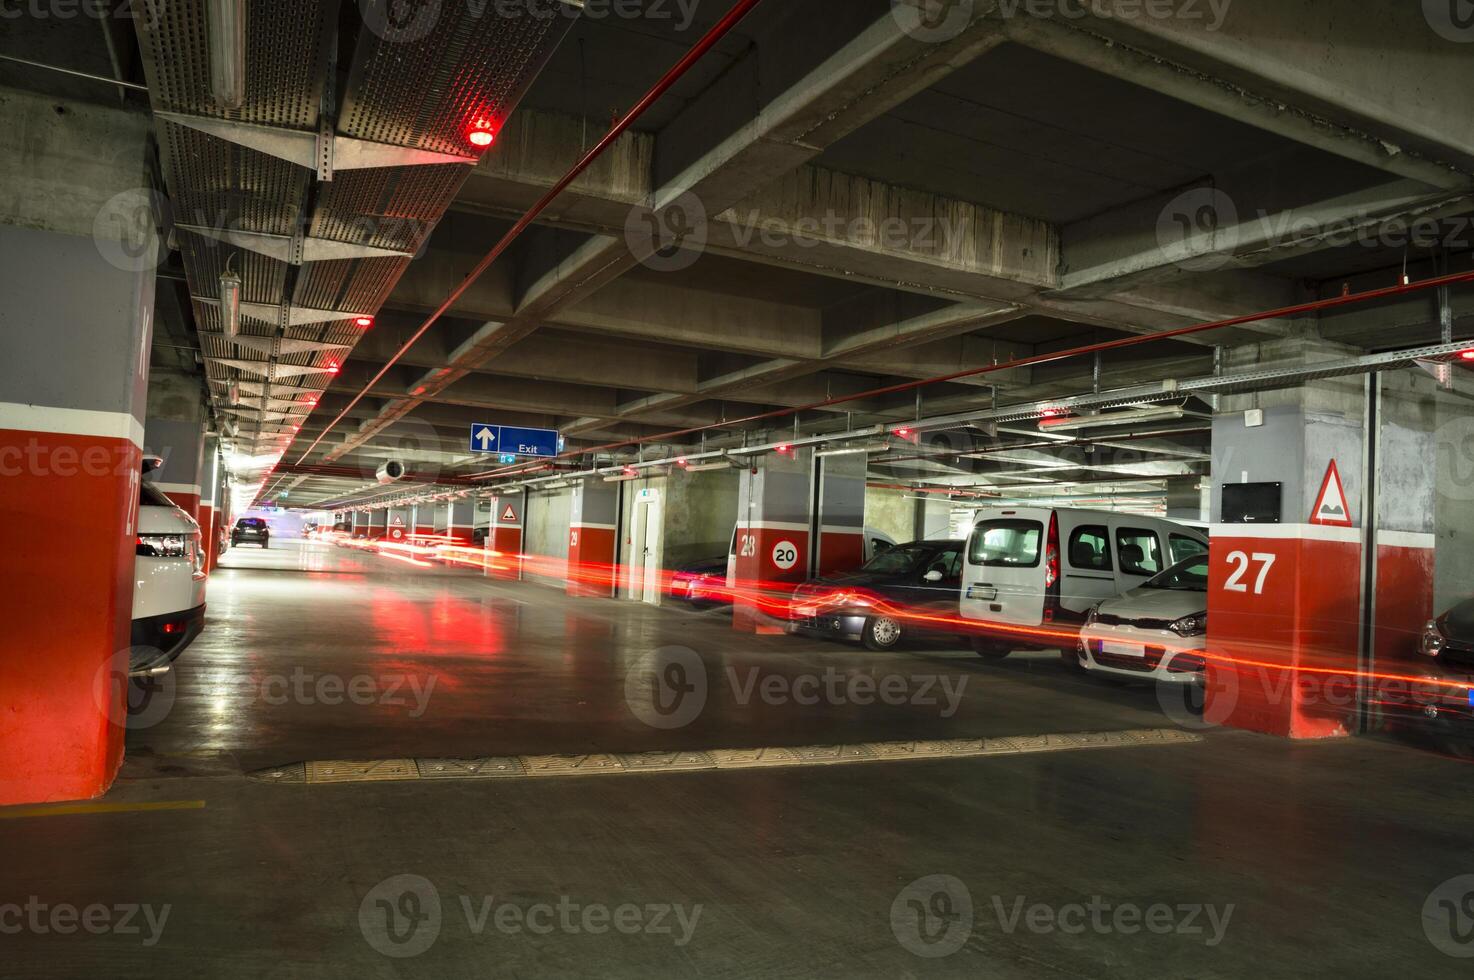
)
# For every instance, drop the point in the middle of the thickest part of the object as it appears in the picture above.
(533, 766)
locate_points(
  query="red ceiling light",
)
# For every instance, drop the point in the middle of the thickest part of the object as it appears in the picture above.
(1467, 355)
(333, 369)
(481, 134)
(903, 432)
(363, 321)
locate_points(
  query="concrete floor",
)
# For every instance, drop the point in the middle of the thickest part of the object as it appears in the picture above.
(1247, 854)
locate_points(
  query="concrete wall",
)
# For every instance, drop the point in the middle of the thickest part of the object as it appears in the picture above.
(1453, 503)
(698, 512)
(892, 512)
(548, 515)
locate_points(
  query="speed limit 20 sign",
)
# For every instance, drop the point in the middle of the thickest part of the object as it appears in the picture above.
(785, 554)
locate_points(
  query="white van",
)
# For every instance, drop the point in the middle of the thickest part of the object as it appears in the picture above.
(169, 582)
(1037, 572)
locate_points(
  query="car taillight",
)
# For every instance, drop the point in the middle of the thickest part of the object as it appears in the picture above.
(162, 546)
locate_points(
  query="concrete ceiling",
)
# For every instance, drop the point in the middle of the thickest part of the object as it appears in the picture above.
(1033, 167)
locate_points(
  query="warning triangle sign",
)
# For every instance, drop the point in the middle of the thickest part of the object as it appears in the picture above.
(398, 521)
(510, 514)
(1331, 507)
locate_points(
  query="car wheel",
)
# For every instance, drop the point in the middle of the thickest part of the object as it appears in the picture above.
(991, 649)
(881, 633)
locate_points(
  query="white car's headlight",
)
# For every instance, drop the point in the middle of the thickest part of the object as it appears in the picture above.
(1194, 625)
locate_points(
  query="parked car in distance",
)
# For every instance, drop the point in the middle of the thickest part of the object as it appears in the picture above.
(1039, 570)
(169, 582)
(702, 583)
(1157, 631)
(253, 530)
(870, 605)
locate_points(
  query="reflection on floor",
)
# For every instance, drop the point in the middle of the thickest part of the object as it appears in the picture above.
(1219, 857)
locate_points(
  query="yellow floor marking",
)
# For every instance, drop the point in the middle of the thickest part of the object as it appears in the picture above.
(71, 809)
(543, 766)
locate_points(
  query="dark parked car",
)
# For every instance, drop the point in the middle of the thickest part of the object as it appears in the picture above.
(702, 583)
(1446, 706)
(252, 529)
(922, 577)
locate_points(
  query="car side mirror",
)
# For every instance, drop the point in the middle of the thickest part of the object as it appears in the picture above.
(933, 576)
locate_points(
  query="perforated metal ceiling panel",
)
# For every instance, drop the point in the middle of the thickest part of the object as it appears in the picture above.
(420, 89)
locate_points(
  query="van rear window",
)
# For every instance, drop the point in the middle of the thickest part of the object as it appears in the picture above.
(1005, 544)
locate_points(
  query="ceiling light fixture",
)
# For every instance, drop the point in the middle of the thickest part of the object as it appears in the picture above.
(230, 302)
(1157, 413)
(481, 134)
(225, 31)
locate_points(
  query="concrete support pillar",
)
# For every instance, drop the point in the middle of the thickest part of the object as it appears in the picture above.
(841, 514)
(1284, 599)
(401, 524)
(460, 519)
(359, 523)
(175, 432)
(935, 519)
(422, 518)
(210, 502)
(77, 260)
(773, 545)
(1186, 500)
(1407, 503)
(378, 523)
(504, 542)
(592, 533)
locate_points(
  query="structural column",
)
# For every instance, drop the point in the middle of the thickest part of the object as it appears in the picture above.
(592, 535)
(1284, 599)
(401, 524)
(175, 432)
(378, 523)
(460, 519)
(423, 519)
(773, 544)
(1407, 459)
(210, 501)
(504, 542)
(841, 514)
(359, 523)
(77, 282)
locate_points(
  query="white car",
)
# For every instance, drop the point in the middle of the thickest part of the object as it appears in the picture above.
(169, 583)
(1157, 632)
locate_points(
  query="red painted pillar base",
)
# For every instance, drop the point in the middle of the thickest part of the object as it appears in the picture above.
(841, 550)
(1405, 569)
(771, 559)
(504, 553)
(591, 560)
(185, 500)
(67, 605)
(1283, 629)
(207, 535)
